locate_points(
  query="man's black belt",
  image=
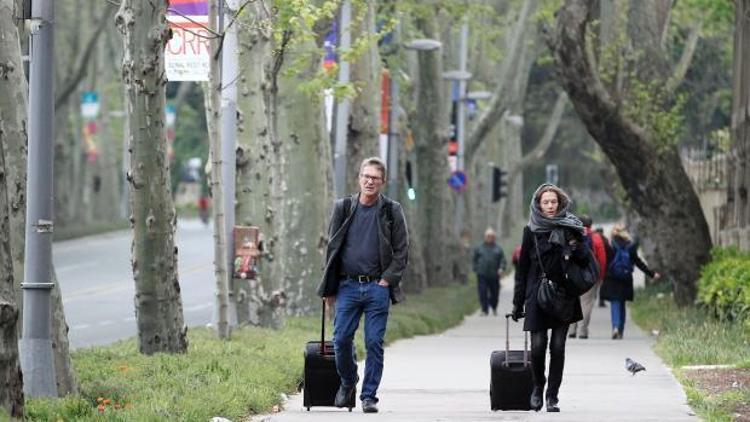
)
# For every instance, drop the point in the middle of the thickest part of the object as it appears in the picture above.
(361, 278)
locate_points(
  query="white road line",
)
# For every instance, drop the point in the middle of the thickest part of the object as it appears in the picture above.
(129, 319)
(64, 268)
(106, 322)
(195, 308)
(80, 327)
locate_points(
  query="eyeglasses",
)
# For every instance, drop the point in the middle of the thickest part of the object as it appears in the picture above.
(369, 178)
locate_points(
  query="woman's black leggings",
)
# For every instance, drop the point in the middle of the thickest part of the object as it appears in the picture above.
(556, 361)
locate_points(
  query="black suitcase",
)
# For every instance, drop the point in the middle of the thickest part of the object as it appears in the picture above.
(510, 375)
(321, 380)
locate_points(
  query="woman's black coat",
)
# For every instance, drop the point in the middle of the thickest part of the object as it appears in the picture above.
(622, 289)
(527, 277)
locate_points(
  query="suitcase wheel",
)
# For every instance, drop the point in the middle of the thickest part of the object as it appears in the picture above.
(308, 408)
(350, 409)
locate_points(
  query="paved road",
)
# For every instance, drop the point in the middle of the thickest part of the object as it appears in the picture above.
(96, 281)
(446, 377)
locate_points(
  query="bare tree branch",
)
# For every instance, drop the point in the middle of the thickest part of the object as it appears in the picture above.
(543, 145)
(686, 59)
(75, 77)
(500, 98)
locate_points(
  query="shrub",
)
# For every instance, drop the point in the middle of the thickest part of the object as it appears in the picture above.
(724, 286)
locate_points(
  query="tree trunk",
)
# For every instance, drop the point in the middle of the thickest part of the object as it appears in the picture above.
(12, 134)
(734, 224)
(307, 182)
(161, 327)
(432, 171)
(255, 155)
(363, 138)
(652, 175)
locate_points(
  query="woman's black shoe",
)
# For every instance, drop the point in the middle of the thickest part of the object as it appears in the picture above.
(536, 399)
(552, 405)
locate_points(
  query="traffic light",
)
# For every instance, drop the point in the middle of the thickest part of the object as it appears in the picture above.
(411, 193)
(498, 184)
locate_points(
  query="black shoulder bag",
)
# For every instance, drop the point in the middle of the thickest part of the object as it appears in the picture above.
(551, 297)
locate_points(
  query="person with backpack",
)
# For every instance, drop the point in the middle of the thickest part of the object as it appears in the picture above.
(367, 253)
(618, 283)
(593, 241)
(552, 232)
(489, 264)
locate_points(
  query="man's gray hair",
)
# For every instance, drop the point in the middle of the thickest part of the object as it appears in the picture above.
(376, 162)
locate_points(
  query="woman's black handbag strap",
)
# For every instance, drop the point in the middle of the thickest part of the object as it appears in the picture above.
(539, 257)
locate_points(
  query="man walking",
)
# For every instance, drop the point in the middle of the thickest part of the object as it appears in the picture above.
(595, 242)
(367, 252)
(489, 264)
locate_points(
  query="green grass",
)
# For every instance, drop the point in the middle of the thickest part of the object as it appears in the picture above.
(233, 379)
(693, 336)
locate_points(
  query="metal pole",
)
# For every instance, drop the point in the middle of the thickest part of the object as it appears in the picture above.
(342, 111)
(461, 123)
(36, 344)
(229, 76)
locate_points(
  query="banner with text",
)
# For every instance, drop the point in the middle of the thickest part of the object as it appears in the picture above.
(187, 56)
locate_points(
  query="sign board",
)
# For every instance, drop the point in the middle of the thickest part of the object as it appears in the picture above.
(187, 56)
(457, 181)
(89, 105)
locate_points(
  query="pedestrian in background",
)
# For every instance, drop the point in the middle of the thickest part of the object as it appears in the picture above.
(593, 241)
(367, 253)
(551, 230)
(618, 283)
(489, 265)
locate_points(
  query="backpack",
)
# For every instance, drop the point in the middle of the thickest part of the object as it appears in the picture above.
(621, 266)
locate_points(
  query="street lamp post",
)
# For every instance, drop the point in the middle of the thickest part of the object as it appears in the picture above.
(342, 108)
(461, 76)
(36, 343)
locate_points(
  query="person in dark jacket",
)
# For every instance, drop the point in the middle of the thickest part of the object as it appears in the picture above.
(618, 284)
(489, 264)
(551, 230)
(367, 252)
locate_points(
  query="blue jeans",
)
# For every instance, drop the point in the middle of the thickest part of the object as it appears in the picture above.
(489, 290)
(617, 308)
(352, 300)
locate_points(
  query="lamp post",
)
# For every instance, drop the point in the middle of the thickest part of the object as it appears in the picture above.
(342, 109)
(461, 76)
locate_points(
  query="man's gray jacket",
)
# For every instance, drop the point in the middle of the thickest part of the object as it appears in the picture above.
(393, 239)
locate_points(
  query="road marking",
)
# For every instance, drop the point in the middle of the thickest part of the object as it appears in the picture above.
(62, 269)
(80, 327)
(129, 319)
(114, 288)
(195, 308)
(106, 322)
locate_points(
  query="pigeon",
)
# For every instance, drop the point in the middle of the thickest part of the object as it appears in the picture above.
(633, 367)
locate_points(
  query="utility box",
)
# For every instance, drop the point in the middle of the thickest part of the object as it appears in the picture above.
(247, 251)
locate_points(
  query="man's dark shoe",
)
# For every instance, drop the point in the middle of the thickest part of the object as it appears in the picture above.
(369, 406)
(344, 396)
(536, 399)
(552, 404)
(583, 337)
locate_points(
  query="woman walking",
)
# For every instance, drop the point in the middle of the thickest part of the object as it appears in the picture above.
(552, 229)
(617, 288)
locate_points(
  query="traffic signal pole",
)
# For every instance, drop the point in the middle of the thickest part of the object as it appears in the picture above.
(36, 344)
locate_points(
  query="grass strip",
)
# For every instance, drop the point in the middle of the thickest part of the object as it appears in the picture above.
(236, 378)
(692, 336)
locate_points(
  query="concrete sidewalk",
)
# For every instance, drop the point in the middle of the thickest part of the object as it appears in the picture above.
(446, 377)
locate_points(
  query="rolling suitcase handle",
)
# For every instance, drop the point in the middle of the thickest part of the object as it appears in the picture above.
(507, 343)
(323, 326)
